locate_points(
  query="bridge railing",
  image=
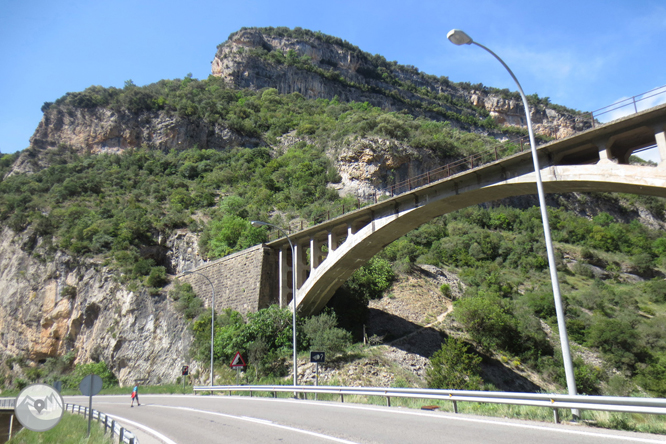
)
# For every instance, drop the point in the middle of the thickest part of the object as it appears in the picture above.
(7, 403)
(466, 163)
(628, 104)
(654, 406)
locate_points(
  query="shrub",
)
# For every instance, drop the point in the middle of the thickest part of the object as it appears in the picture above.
(453, 367)
(157, 277)
(488, 321)
(371, 280)
(100, 369)
(187, 301)
(323, 334)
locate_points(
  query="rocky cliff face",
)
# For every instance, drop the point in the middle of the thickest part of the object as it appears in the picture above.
(48, 308)
(245, 61)
(103, 130)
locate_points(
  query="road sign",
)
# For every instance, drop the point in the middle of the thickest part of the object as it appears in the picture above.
(238, 361)
(186, 370)
(317, 357)
(91, 385)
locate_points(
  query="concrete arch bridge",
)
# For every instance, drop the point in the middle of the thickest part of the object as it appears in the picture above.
(592, 161)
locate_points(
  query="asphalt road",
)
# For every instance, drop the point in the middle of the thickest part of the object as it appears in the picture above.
(186, 419)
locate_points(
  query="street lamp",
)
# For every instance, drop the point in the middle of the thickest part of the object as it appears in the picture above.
(212, 320)
(257, 223)
(459, 37)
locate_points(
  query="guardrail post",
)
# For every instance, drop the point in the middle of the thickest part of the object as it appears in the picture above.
(455, 406)
(122, 435)
(11, 424)
(342, 397)
(274, 394)
(113, 427)
(131, 440)
(388, 401)
(106, 423)
(556, 416)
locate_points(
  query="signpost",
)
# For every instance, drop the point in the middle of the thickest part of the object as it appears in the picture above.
(237, 363)
(317, 357)
(185, 371)
(90, 386)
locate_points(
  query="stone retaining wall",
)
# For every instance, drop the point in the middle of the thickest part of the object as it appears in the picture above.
(246, 281)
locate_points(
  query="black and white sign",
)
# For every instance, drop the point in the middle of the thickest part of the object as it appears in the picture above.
(317, 357)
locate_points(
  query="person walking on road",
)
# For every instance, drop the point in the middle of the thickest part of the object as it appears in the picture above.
(135, 396)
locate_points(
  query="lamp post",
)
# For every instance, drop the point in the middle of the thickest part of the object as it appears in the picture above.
(212, 320)
(459, 37)
(257, 223)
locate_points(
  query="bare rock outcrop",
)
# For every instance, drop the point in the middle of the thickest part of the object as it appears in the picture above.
(104, 130)
(345, 72)
(49, 308)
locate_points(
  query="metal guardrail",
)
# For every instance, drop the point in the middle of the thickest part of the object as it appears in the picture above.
(654, 406)
(635, 100)
(124, 435)
(7, 403)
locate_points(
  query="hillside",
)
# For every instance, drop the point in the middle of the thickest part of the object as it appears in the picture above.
(123, 188)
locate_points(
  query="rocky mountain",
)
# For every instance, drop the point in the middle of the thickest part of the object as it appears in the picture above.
(320, 66)
(53, 302)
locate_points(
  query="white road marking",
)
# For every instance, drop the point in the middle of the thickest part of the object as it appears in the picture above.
(144, 428)
(396, 410)
(259, 421)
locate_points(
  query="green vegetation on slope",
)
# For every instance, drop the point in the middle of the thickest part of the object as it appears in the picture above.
(264, 339)
(72, 429)
(113, 205)
(500, 255)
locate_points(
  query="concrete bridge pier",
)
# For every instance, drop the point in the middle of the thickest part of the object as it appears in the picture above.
(660, 137)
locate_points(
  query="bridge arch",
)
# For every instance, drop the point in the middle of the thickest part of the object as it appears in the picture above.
(593, 161)
(374, 228)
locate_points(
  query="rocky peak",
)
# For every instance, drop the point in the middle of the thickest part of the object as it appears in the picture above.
(320, 66)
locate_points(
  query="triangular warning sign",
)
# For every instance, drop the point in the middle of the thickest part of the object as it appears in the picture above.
(237, 361)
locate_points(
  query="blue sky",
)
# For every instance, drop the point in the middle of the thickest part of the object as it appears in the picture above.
(582, 54)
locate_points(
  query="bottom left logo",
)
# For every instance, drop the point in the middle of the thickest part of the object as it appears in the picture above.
(39, 407)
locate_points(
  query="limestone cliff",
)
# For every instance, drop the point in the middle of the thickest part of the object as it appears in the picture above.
(318, 66)
(103, 130)
(48, 308)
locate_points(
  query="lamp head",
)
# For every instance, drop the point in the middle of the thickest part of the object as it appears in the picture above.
(459, 37)
(257, 223)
